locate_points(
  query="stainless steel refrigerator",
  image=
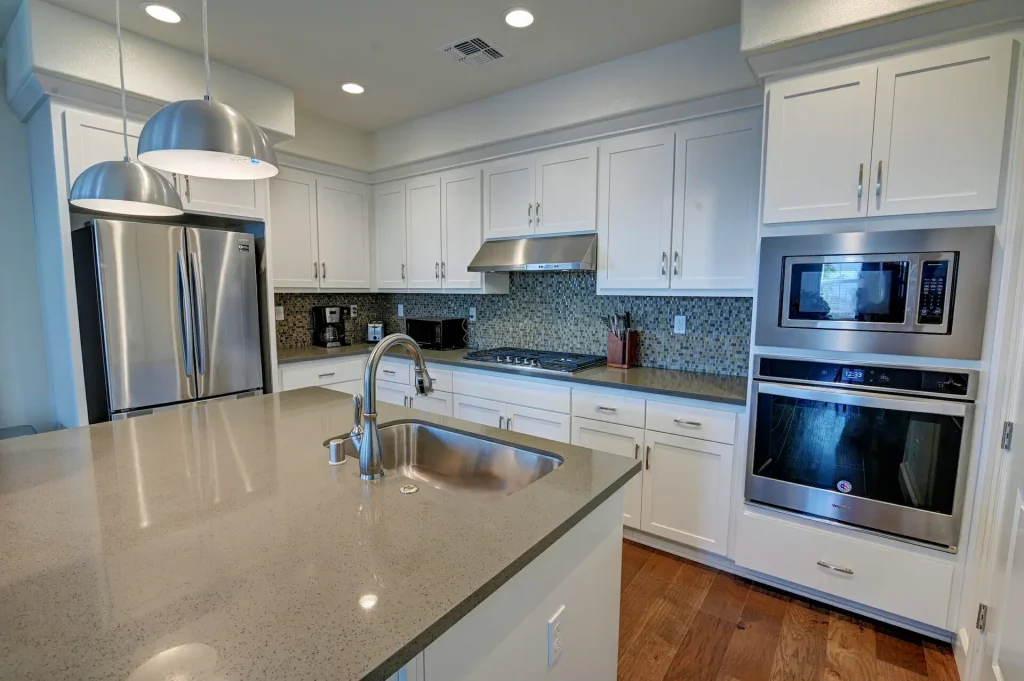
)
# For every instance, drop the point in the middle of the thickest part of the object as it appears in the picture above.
(169, 314)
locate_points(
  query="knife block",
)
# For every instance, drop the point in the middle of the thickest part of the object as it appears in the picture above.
(623, 354)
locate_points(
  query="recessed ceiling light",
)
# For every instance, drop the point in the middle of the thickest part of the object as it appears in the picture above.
(353, 88)
(518, 17)
(162, 13)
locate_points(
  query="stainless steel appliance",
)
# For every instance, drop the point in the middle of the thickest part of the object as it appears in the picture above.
(539, 361)
(537, 254)
(878, 446)
(168, 314)
(438, 334)
(908, 292)
(328, 326)
(374, 332)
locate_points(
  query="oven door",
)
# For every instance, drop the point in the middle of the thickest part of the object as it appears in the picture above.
(889, 463)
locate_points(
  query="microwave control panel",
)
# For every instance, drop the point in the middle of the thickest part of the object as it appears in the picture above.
(932, 301)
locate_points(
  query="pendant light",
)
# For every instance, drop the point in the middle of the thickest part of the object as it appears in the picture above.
(125, 187)
(204, 138)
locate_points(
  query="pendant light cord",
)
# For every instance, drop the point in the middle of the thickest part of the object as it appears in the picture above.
(206, 51)
(120, 66)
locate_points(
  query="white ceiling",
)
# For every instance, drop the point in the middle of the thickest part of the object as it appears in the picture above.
(390, 46)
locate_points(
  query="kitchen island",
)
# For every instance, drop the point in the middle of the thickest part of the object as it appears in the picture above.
(215, 542)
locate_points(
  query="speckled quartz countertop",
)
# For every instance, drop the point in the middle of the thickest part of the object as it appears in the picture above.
(214, 542)
(708, 387)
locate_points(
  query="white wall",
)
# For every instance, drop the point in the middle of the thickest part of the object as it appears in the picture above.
(701, 66)
(24, 385)
(328, 141)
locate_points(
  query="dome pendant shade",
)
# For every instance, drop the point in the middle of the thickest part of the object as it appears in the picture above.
(204, 138)
(125, 188)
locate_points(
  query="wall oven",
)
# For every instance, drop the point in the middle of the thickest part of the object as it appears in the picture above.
(878, 446)
(909, 292)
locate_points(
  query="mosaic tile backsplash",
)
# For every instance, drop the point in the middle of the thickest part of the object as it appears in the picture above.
(554, 311)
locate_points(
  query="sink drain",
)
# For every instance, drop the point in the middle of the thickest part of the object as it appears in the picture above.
(408, 489)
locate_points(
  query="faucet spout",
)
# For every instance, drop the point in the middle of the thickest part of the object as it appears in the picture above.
(365, 433)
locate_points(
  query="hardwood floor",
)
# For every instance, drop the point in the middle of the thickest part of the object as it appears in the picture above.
(684, 621)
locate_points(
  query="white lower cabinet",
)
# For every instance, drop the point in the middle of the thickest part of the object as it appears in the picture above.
(393, 393)
(539, 422)
(479, 410)
(437, 402)
(686, 485)
(615, 439)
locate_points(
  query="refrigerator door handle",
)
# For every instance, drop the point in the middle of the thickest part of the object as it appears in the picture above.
(185, 315)
(199, 296)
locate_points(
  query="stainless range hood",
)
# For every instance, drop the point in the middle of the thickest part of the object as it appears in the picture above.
(537, 254)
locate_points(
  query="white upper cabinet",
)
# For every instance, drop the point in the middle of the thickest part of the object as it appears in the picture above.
(566, 197)
(461, 228)
(940, 121)
(634, 212)
(236, 198)
(423, 219)
(343, 225)
(714, 223)
(293, 216)
(818, 155)
(508, 198)
(389, 230)
(919, 133)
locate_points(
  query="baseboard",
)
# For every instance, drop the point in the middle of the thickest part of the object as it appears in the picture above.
(722, 563)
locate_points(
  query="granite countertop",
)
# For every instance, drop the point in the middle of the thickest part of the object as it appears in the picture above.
(215, 542)
(690, 384)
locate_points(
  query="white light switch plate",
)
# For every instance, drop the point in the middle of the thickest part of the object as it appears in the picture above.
(401, 310)
(680, 325)
(472, 314)
(279, 313)
(555, 642)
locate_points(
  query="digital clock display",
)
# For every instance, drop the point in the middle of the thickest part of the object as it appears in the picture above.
(853, 375)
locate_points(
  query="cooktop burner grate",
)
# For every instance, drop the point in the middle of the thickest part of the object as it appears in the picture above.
(537, 360)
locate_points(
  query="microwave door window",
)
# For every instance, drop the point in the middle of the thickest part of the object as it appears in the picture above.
(849, 292)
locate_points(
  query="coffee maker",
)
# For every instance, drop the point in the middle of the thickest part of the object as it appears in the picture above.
(328, 326)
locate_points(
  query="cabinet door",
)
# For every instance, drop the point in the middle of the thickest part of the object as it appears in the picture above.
(566, 190)
(436, 402)
(389, 234)
(461, 227)
(293, 230)
(539, 422)
(393, 393)
(686, 490)
(940, 122)
(479, 410)
(714, 222)
(423, 217)
(634, 211)
(615, 439)
(233, 198)
(508, 198)
(818, 155)
(91, 138)
(343, 225)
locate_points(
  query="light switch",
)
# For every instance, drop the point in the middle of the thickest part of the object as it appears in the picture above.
(401, 310)
(279, 313)
(679, 327)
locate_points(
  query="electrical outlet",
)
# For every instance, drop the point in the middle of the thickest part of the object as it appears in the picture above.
(555, 641)
(680, 325)
(279, 313)
(352, 310)
(472, 314)
(401, 310)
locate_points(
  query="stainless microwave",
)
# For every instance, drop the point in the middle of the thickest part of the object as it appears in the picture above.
(910, 292)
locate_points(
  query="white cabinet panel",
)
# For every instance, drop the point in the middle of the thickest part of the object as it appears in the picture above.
(539, 422)
(389, 235)
(323, 373)
(344, 229)
(479, 410)
(437, 402)
(717, 172)
(393, 393)
(423, 217)
(689, 421)
(461, 227)
(615, 439)
(394, 372)
(939, 126)
(566, 190)
(236, 198)
(635, 210)
(353, 387)
(508, 198)
(613, 408)
(686, 490)
(514, 391)
(293, 230)
(819, 146)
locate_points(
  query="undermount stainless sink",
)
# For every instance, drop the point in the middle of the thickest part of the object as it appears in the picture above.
(457, 462)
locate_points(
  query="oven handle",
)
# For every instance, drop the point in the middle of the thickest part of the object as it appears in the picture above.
(856, 398)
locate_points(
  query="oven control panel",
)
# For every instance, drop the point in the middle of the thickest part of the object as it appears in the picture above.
(931, 303)
(867, 376)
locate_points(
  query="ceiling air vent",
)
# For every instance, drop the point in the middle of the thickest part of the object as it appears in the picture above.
(472, 51)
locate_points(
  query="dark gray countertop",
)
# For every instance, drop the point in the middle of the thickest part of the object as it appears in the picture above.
(708, 387)
(215, 540)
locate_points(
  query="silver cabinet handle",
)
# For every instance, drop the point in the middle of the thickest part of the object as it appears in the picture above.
(509, 421)
(388, 371)
(501, 422)
(664, 264)
(636, 451)
(437, 270)
(327, 375)
(878, 185)
(185, 302)
(860, 182)
(323, 268)
(410, 401)
(199, 300)
(606, 409)
(174, 179)
(443, 275)
(316, 271)
(675, 264)
(188, 190)
(647, 461)
(834, 568)
(529, 214)
(688, 424)
(403, 271)
(536, 211)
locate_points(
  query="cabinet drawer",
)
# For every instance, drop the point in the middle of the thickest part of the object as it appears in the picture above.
(527, 393)
(628, 411)
(441, 378)
(703, 424)
(903, 582)
(394, 372)
(320, 373)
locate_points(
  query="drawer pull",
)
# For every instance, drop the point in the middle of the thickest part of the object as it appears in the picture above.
(845, 571)
(636, 451)
(501, 422)
(388, 371)
(327, 375)
(647, 462)
(607, 409)
(688, 424)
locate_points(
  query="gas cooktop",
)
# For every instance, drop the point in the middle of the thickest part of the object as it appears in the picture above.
(537, 360)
